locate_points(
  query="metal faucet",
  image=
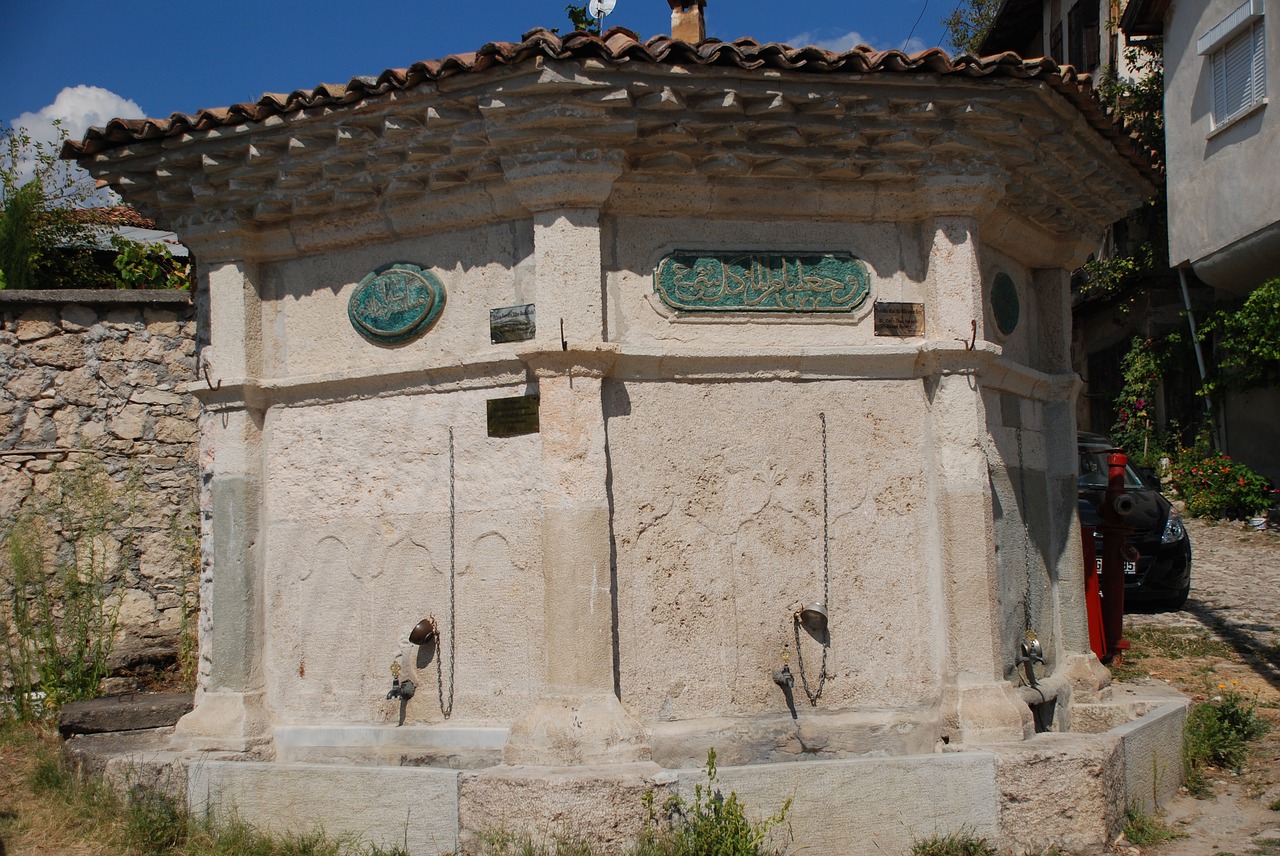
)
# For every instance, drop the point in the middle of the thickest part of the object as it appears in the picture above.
(402, 690)
(1030, 652)
(783, 678)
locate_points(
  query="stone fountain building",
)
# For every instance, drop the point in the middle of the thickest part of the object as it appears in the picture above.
(610, 358)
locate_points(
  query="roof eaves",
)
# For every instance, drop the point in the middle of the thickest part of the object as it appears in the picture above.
(1144, 18)
(618, 46)
(1014, 23)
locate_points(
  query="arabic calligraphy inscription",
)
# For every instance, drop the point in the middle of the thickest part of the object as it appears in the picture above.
(762, 282)
(396, 303)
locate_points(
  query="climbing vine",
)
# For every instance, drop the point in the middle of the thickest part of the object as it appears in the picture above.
(1134, 430)
(1247, 340)
(1139, 101)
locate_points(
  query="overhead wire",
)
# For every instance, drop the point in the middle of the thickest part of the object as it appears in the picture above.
(919, 18)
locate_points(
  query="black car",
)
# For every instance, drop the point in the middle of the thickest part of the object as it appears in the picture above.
(1157, 555)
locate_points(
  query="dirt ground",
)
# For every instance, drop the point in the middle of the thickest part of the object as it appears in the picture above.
(1227, 638)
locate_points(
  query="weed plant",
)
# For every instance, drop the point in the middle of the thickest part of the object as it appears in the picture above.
(1217, 735)
(712, 825)
(962, 843)
(60, 565)
(1146, 830)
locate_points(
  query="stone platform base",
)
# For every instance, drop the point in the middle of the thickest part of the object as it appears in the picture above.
(1065, 789)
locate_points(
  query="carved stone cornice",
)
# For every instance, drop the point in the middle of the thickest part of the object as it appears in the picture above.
(841, 147)
(563, 179)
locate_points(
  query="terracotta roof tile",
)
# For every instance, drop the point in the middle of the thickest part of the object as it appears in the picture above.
(619, 46)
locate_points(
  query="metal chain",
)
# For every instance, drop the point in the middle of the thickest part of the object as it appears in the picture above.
(447, 709)
(822, 677)
(1026, 534)
(1028, 631)
(826, 583)
(826, 536)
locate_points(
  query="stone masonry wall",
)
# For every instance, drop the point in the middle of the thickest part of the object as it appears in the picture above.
(96, 375)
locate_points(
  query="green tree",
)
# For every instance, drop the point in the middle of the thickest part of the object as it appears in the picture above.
(968, 24)
(47, 231)
(51, 236)
(581, 18)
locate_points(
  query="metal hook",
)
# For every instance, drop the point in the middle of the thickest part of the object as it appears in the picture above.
(204, 369)
(973, 341)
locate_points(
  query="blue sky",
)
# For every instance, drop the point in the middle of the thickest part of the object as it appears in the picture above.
(90, 61)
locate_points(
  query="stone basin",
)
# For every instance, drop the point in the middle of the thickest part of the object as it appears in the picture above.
(427, 787)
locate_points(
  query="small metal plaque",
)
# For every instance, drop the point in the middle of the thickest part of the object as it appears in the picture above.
(745, 281)
(396, 303)
(899, 319)
(512, 324)
(511, 417)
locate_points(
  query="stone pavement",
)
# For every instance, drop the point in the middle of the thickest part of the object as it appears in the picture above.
(1235, 592)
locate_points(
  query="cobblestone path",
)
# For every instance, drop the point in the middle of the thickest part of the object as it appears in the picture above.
(1235, 592)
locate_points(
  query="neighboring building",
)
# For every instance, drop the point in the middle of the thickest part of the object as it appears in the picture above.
(1075, 34)
(1223, 183)
(1084, 35)
(1223, 170)
(1223, 143)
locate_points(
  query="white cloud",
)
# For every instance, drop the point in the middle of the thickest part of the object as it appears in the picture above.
(839, 44)
(76, 108)
(79, 108)
(849, 41)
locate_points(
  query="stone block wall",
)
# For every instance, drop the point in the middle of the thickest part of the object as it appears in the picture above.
(98, 376)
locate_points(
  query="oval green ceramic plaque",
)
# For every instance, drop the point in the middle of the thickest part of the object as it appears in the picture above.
(745, 281)
(396, 303)
(1004, 303)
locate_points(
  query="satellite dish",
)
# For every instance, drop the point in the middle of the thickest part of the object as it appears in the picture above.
(600, 8)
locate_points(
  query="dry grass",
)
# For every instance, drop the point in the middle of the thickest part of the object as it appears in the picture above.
(43, 809)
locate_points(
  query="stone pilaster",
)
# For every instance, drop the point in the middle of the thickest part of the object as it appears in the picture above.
(986, 707)
(229, 713)
(1081, 668)
(580, 720)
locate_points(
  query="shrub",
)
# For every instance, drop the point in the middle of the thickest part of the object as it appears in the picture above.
(1214, 486)
(149, 265)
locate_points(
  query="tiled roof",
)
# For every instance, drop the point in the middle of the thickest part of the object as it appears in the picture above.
(618, 47)
(113, 215)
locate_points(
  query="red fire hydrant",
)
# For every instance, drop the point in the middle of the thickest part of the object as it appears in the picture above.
(1092, 595)
(1116, 506)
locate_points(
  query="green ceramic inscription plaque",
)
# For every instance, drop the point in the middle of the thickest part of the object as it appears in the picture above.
(742, 281)
(396, 303)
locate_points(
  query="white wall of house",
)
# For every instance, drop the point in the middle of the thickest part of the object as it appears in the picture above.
(1224, 176)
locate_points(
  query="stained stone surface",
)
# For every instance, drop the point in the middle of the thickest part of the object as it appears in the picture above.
(85, 375)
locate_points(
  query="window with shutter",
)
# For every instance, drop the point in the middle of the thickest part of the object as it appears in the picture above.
(1239, 75)
(1236, 50)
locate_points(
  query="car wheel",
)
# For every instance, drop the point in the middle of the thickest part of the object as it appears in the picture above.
(1177, 601)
